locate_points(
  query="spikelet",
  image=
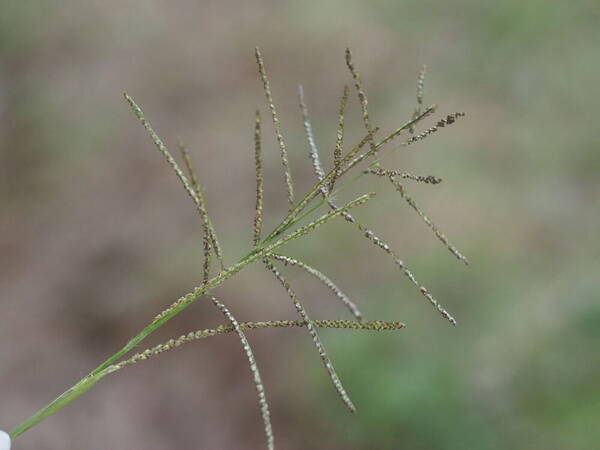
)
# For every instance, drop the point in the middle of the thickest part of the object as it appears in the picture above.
(362, 97)
(260, 388)
(266, 250)
(339, 143)
(315, 336)
(163, 149)
(420, 91)
(209, 235)
(282, 147)
(258, 216)
(428, 179)
(448, 120)
(312, 147)
(323, 279)
(400, 188)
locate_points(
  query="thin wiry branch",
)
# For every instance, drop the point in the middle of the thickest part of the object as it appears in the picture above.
(428, 179)
(200, 206)
(312, 148)
(258, 217)
(362, 97)
(209, 235)
(315, 336)
(380, 243)
(277, 126)
(420, 91)
(323, 279)
(400, 188)
(373, 325)
(163, 149)
(339, 143)
(260, 388)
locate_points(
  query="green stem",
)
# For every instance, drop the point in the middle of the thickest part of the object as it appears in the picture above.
(60, 402)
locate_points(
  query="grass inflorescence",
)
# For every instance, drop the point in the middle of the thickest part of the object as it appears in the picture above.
(294, 225)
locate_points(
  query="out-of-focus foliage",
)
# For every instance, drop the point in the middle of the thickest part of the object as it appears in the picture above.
(95, 236)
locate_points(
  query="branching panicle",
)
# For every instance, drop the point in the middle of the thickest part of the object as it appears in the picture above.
(293, 226)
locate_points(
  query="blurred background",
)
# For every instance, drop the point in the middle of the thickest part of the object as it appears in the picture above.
(97, 236)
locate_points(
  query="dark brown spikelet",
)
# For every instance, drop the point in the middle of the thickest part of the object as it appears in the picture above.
(448, 120)
(380, 172)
